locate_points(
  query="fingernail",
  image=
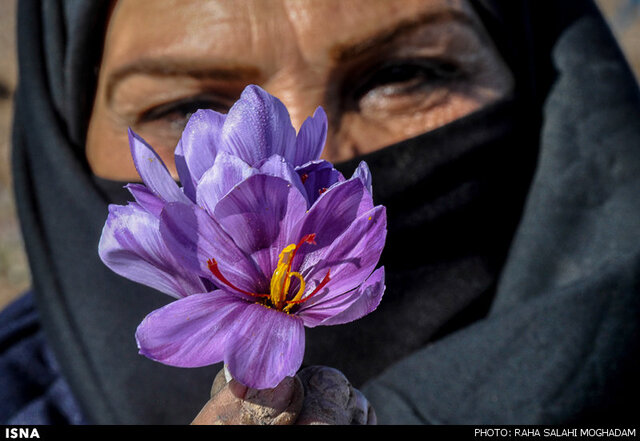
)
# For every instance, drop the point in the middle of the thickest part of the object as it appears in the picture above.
(227, 374)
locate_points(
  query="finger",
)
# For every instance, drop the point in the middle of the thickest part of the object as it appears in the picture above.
(219, 382)
(363, 413)
(331, 399)
(233, 403)
(278, 406)
(225, 407)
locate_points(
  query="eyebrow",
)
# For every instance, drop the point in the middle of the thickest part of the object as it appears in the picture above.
(347, 51)
(171, 67)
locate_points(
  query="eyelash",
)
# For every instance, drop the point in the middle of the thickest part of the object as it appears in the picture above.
(403, 74)
(177, 113)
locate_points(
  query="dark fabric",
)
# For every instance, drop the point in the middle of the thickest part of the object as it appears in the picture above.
(88, 313)
(32, 390)
(554, 343)
(561, 341)
(441, 269)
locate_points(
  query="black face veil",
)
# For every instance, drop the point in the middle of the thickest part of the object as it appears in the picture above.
(512, 290)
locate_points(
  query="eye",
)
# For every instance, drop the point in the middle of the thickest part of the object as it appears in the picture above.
(398, 79)
(162, 124)
(174, 115)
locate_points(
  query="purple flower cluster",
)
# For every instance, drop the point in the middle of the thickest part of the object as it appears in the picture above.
(260, 239)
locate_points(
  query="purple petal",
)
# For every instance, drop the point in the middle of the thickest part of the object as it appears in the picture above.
(199, 144)
(318, 177)
(333, 213)
(267, 346)
(227, 172)
(152, 170)
(131, 246)
(350, 258)
(194, 237)
(258, 126)
(311, 138)
(186, 179)
(260, 214)
(364, 174)
(349, 307)
(190, 332)
(278, 166)
(146, 198)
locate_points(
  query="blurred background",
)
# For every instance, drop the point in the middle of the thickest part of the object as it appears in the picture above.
(623, 16)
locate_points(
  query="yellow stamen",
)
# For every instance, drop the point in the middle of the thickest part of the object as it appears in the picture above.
(298, 296)
(281, 279)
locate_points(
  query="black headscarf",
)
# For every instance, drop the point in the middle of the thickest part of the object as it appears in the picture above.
(477, 325)
(560, 343)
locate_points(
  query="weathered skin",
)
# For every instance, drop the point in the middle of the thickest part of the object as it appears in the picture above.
(331, 399)
(318, 395)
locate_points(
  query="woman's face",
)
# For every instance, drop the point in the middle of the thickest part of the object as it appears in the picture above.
(383, 70)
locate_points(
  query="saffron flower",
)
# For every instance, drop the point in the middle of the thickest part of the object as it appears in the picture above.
(260, 239)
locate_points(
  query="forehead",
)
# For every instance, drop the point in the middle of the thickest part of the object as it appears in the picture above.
(258, 31)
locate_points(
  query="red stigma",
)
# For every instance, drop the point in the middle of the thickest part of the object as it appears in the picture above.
(213, 267)
(309, 238)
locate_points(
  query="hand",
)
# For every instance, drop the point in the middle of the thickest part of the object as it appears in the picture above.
(317, 395)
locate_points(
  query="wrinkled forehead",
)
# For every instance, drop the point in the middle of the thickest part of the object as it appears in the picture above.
(265, 31)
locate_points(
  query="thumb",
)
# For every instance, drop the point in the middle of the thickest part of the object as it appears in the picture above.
(233, 403)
